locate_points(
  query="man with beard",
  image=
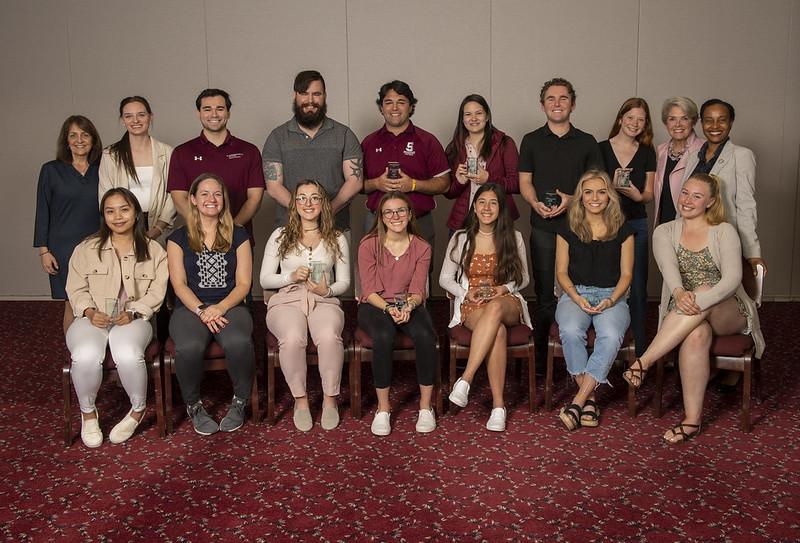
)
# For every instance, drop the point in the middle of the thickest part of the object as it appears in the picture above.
(312, 146)
(217, 151)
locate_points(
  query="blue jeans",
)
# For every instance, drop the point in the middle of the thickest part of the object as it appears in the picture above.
(609, 326)
(638, 297)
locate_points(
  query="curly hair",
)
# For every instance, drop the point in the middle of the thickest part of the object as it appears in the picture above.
(292, 234)
(612, 215)
(509, 267)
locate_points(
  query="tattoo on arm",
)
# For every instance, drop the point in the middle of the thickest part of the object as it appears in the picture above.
(272, 171)
(356, 168)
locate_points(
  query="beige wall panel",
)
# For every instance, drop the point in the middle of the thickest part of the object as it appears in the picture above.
(119, 49)
(790, 164)
(736, 51)
(593, 45)
(255, 51)
(441, 49)
(37, 94)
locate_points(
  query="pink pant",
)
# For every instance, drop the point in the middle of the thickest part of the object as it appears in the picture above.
(290, 326)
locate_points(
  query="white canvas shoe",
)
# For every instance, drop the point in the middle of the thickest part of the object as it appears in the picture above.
(460, 393)
(497, 420)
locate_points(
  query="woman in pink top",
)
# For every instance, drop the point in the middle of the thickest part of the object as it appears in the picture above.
(393, 267)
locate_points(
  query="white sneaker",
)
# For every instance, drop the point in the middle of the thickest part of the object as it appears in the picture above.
(381, 425)
(497, 420)
(124, 429)
(426, 422)
(460, 393)
(91, 434)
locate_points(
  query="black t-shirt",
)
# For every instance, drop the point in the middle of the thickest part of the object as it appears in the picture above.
(643, 161)
(596, 263)
(557, 163)
(211, 275)
(666, 205)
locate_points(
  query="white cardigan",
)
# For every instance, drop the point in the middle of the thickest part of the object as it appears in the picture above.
(450, 268)
(271, 279)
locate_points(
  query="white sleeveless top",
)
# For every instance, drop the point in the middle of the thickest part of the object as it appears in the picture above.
(142, 189)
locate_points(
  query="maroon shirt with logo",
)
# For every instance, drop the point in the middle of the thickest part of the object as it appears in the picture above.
(238, 163)
(420, 156)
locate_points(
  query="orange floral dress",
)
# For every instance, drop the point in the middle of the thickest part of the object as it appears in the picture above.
(482, 271)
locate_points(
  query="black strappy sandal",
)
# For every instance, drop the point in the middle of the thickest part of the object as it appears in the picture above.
(571, 416)
(678, 431)
(590, 418)
(634, 375)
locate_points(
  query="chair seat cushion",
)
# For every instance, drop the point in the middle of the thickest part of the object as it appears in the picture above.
(517, 335)
(735, 345)
(214, 349)
(401, 340)
(150, 354)
(590, 335)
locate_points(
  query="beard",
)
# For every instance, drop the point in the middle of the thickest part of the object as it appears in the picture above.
(311, 118)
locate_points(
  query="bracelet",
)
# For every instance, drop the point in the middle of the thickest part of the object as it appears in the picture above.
(413, 185)
(571, 287)
(45, 253)
(610, 299)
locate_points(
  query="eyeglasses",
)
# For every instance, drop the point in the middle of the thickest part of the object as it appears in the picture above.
(399, 212)
(303, 199)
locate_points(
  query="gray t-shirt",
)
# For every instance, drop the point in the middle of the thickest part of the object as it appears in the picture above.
(319, 158)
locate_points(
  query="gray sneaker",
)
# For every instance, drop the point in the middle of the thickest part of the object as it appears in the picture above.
(235, 417)
(203, 423)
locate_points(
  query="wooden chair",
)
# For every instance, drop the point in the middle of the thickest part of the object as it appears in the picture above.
(152, 358)
(627, 353)
(520, 348)
(214, 358)
(735, 352)
(403, 350)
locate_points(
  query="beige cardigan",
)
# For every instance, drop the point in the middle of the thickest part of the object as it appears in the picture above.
(726, 251)
(113, 175)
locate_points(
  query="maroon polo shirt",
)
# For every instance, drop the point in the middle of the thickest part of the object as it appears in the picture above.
(236, 161)
(420, 156)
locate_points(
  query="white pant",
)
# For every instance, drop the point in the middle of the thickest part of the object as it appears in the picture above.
(87, 346)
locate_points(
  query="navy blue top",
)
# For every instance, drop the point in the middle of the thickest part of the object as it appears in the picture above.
(643, 161)
(596, 263)
(67, 212)
(211, 275)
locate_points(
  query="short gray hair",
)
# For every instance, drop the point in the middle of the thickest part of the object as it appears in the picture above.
(686, 104)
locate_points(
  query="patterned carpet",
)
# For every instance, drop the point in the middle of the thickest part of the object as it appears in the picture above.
(534, 482)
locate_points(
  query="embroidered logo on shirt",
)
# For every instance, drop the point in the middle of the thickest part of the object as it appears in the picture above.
(409, 150)
(379, 149)
(235, 155)
(211, 269)
(198, 157)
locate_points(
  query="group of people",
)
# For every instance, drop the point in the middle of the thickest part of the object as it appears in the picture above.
(589, 237)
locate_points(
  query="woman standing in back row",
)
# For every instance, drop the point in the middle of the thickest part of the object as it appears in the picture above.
(140, 163)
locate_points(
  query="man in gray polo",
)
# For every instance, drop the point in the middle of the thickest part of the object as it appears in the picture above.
(313, 146)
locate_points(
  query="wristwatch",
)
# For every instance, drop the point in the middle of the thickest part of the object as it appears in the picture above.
(200, 309)
(134, 314)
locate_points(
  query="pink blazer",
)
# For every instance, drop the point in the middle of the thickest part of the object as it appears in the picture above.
(676, 177)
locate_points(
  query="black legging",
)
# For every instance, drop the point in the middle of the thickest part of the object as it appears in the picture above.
(192, 337)
(382, 329)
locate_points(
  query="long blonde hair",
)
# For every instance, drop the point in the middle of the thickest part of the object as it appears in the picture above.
(292, 234)
(612, 215)
(715, 213)
(224, 238)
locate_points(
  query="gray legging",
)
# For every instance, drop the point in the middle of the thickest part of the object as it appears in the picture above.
(192, 337)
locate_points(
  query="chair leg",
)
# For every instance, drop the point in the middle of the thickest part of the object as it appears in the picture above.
(271, 388)
(548, 378)
(659, 387)
(356, 382)
(169, 367)
(756, 365)
(66, 383)
(452, 372)
(746, 384)
(531, 377)
(255, 409)
(632, 411)
(158, 369)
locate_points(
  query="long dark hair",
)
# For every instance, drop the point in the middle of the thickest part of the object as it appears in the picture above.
(460, 133)
(509, 266)
(63, 152)
(121, 150)
(646, 136)
(139, 230)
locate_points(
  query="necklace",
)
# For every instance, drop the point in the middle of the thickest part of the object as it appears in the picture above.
(487, 234)
(673, 155)
(310, 229)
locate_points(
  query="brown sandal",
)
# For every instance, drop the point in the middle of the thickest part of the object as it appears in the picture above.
(634, 375)
(679, 432)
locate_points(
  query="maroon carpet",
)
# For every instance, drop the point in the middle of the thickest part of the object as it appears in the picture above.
(536, 481)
